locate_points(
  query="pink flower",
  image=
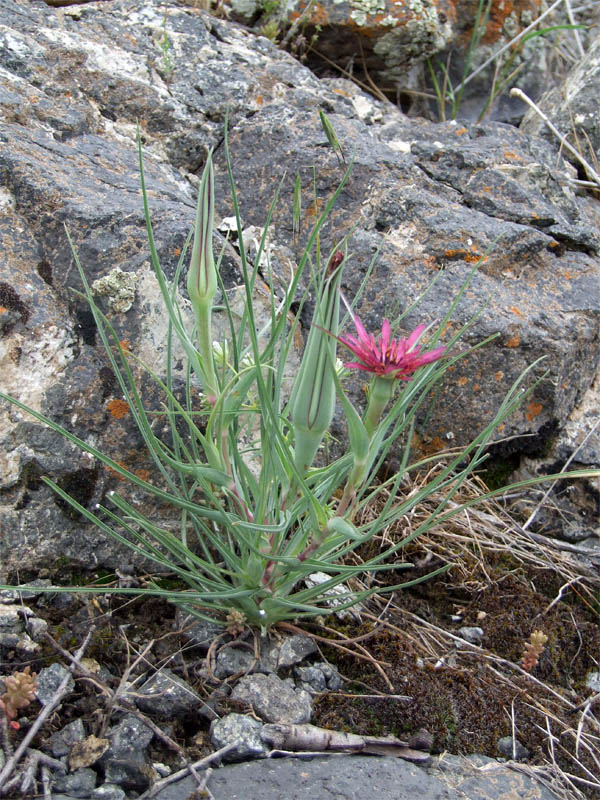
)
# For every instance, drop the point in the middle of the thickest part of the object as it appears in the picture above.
(387, 357)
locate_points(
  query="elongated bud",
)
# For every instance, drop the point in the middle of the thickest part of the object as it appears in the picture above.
(314, 394)
(202, 280)
(202, 275)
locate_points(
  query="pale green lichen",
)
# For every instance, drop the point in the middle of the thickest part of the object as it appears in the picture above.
(361, 9)
(422, 35)
(119, 289)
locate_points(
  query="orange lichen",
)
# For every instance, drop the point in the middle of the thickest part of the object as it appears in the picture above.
(259, 100)
(567, 275)
(118, 408)
(533, 410)
(510, 156)
(125, 345)
(177, 251)
(312, 211)
(513, 341)
(460, 131)
(516, 311)
(144, 474)
(499, 375)
(3, 310)
(462, 381)
(476, 387)
(116, 474)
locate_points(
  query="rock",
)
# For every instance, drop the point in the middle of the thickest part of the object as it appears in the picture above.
(49, 679)
(80, 783)
(477, 776)
(512, 748)
(319, 677)
(242, 730)
(390, 41)
(274, 700)
(14, 620)
(316, 578)
(126, 762)
(167, 696)
(592, 681)
(233, 661)
(196, 631)
(320, 777)
(474, 635)
(282, 653)
(430, 198)
(570, 106)
(311, 679)
(60, 743)
(108, 791)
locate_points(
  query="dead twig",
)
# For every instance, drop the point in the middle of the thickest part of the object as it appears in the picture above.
(213, 758)
(562, 139)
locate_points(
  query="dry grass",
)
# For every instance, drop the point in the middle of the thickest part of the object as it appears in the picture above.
(548, 587)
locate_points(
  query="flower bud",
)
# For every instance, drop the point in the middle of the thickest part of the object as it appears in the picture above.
(202, 280)
(313, 398)
(202, 275)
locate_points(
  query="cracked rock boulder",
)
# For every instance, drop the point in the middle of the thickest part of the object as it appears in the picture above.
(426, 201)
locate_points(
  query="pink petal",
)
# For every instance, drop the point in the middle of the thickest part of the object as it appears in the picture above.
(414, 337)
(362, 333)
(385, 337)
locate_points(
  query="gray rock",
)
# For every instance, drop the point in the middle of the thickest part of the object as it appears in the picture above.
(108, 791)
(274, 700)
(512, 748)
(126, 762)
(130, 734)
(196, 631)
(592, 681)
(233, 661)
(311, 679)
(20, 629)
(284, 653)
(80, 783)
(168, 696)
(60, 743)
(130, 773)
(333, 778)
(477, 776)
(319, 677)
(49, 679)
(17, 595)
(474, 634)
(433, 197)
(244, 732)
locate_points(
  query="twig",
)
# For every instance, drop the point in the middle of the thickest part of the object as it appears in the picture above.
(46, 782)
(201, 790)
(562, 591)
(562, 139)
(571, 17)
(201, 764)
(160, 734)
(61, 692)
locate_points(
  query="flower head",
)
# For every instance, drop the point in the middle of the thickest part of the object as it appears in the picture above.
(387, 357)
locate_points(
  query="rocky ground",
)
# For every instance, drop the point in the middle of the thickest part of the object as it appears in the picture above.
(134, 691)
